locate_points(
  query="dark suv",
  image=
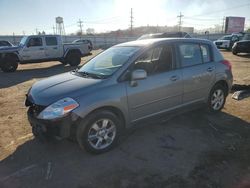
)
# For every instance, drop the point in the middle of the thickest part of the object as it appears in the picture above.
(242, 46)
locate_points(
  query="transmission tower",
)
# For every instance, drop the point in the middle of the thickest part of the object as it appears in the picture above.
(180, 22)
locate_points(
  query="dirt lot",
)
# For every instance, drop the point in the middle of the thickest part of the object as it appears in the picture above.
(194, 149)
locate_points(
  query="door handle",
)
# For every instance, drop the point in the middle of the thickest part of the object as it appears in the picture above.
(210, 69)
(174, 78)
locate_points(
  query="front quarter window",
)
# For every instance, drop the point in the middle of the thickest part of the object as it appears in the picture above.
(106, 63)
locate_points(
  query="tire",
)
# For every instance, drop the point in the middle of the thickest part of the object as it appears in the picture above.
(73, 58)
(10, 64)
(234, 52)
(217, 98)
(97, 130)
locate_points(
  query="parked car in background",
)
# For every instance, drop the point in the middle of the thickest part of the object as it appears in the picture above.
(165, 35)
(85, 41)
(4, 43)
(226, 42)
(125, 84)
(39, 48)
(242, 46)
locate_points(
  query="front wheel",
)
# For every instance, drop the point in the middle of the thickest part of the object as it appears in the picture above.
(99, 132)
(234, 52)
(217, 98)
(10, 64)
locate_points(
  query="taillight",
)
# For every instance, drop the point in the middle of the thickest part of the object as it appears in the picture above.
(227, 63)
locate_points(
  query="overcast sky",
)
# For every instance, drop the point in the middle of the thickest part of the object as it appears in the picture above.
(104, 15)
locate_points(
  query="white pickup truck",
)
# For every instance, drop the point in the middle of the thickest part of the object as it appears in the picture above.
(39, 48)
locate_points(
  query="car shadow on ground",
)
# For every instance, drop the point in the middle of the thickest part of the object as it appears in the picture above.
(190, 150)
(20, 76)
(244, 55)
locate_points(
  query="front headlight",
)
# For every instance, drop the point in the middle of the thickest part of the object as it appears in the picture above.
(58, 109)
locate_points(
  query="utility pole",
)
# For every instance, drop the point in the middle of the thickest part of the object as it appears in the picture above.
(54, 30)
(180, 22)
(80, 25)
(223, 24)
(131, 20)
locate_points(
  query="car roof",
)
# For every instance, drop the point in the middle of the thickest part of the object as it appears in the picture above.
(42, 36)
(148, 42)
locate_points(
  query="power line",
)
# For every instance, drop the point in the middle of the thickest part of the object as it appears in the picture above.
(180, 18)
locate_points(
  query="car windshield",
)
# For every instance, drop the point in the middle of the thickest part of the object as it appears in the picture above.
(106, 63)
(22, 42)
(246, 37)
(226, 38)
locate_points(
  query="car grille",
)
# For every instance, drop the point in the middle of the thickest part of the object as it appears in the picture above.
(34, 109)
(218, 43)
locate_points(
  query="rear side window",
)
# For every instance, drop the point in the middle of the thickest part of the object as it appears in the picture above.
(205, 53)
(51, 41)
(190, 54)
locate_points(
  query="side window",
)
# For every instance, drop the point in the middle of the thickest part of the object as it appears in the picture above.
(165, 60)
(157, 60)
(144, 62)
(51, 41)
(205, 53)
(190, 54)
(36, 41)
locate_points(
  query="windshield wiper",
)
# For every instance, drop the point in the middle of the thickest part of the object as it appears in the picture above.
(88, 74)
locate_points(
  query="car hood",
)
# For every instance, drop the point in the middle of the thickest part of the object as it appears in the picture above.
(52, 89)
(9, 48)
(243, 41)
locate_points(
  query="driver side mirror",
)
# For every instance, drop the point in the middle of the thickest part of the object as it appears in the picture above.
(138, 74)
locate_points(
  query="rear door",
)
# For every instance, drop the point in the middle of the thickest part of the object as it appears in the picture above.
(161, 90)
(34, 49)
(52, 50)
(198, 71)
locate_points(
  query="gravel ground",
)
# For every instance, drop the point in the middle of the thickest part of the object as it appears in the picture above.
(193, 149)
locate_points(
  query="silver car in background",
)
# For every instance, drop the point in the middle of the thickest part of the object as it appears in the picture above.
(125, 84)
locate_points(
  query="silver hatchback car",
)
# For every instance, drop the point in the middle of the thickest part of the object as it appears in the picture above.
(125, 84)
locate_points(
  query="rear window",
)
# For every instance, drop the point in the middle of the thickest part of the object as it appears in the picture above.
(51, 41)
(190, 54)
(4, 43)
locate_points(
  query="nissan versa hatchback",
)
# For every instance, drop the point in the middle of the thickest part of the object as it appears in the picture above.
(125, 84)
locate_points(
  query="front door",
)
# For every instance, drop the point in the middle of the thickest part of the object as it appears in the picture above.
(34, 49)
(161, 90)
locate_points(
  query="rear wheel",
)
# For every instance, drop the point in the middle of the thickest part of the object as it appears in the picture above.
(217, 98)
(10, 64)
(99, 132)
(73, 58)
